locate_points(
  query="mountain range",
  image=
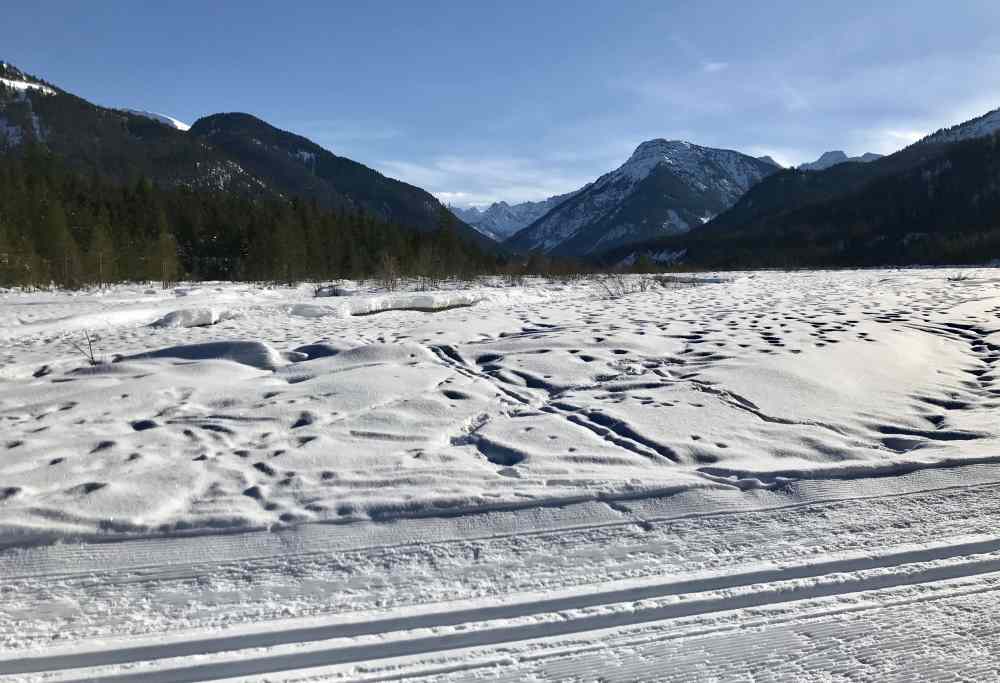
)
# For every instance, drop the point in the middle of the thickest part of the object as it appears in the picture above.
(232, 152)
(500, 220)
(935, 201)
(671, 200)
(828, 159)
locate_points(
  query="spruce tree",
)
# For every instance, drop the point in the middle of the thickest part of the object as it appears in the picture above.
(100, 256)
(166, 257)
(6, 259)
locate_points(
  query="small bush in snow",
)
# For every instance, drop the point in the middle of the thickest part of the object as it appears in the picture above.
(616, 286)
(388, 272)
(88, 350)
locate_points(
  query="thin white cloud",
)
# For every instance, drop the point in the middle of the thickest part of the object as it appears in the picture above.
(714, 67)
(476, 181)
(785, 156)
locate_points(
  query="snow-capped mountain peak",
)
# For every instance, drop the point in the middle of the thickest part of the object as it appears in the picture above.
(665, 186)
(161, 118)
(651, 154)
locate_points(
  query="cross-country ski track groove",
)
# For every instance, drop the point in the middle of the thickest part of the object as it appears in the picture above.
(486, 627)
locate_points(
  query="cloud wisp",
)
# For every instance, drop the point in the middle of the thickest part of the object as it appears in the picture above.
(477, 181)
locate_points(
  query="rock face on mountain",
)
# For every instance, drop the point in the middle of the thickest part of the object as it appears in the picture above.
(666, 187)
(828, 159)
(500, 220)
(235, 153)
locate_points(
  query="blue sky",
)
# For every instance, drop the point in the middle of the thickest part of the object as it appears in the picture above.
(478, 101)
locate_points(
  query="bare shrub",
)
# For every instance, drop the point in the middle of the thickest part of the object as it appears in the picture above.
(514, 278)
(615, 286)
(388, 272)
(88, 351)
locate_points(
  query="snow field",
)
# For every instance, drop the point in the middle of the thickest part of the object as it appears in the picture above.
(241, 412)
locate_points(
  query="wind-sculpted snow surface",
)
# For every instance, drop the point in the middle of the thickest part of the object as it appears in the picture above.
(290, 410)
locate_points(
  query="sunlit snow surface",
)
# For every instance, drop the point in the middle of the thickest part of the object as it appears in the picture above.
(26, 85)
(237, 406)
(162, 118)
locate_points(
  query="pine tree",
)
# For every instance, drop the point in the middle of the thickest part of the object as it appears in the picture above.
(100, 256)
(58, 246)
(166, 258)
(6, 259)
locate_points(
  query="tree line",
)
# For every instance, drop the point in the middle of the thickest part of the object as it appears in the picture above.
(60, 227)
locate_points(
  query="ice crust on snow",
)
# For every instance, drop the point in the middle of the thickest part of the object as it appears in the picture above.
(294, 411)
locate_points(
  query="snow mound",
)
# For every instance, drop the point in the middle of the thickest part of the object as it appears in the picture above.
(426, 302)
(371, 354)
(194, 317)
(252, 353)
(320, 310)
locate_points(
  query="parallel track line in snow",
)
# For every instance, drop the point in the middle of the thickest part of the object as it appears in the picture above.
(685, 608)
(346, 654)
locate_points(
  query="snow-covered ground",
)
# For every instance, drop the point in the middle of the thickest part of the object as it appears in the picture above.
(791, 475)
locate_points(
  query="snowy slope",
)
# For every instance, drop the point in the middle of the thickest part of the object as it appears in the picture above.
(665, 187)
(828, 159)
(500, 220)
(26, 85)
(12, 77)
(984, 125)
(162, 118)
